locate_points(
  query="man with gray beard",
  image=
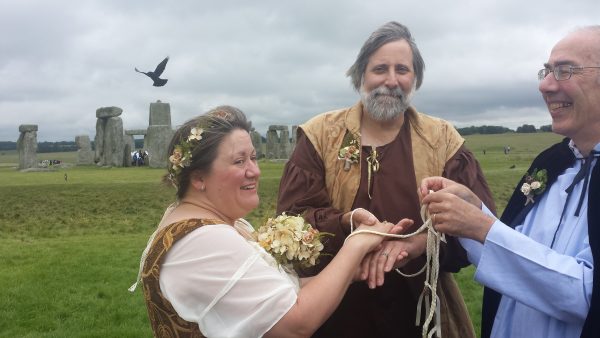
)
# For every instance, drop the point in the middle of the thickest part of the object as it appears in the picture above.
(374, 155)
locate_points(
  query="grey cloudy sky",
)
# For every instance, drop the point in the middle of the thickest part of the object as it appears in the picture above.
(281, 62)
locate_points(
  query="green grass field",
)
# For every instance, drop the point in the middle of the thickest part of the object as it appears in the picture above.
(71, 249)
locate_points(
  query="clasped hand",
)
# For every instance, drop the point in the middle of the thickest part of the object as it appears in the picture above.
(391, 253)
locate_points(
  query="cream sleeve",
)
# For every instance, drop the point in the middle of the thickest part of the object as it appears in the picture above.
(215, 278)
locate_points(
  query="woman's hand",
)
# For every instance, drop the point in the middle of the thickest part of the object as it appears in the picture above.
(394, 253)
(371, 241)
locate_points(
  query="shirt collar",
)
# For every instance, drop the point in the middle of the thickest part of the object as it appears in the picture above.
(576, 151)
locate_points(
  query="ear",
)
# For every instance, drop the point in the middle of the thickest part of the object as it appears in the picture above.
(197, 180)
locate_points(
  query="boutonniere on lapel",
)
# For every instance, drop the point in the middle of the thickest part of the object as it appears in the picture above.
(350, 151)
(535, 184)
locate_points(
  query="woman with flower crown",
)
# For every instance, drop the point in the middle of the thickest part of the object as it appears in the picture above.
(203, 272)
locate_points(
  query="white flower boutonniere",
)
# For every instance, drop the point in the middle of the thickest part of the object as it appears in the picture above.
(535, 184)
(349, 152)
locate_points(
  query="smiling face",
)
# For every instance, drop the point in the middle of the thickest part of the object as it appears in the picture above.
(389, 80)
(574, 104)
(232, 184)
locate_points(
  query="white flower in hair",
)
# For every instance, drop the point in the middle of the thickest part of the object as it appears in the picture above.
(195, 134)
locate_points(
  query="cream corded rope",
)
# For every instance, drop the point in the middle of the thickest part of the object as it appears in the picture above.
(432, 268)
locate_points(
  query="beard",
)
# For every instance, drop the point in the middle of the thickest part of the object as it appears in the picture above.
(384, 104)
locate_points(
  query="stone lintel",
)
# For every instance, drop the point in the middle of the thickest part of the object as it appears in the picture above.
(28, 127)
(136, 132)
(278, 127)
(106, 112)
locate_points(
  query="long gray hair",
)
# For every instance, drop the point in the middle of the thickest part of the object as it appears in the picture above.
(390, 32)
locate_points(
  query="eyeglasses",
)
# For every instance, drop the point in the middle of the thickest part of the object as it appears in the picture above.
(561, 72)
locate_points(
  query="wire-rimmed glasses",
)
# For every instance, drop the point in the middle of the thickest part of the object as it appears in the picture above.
(561, 72)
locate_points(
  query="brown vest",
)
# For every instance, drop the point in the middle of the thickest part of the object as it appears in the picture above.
(163, 317)
(434, 142)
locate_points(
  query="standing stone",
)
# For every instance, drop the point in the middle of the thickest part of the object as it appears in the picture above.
(272, 143)
(256, 142)
(27, 146)
(109, 137)
(278, 144)
(129, 142)
(284, 143)
(99, 141)
(113, 142)
(294, 136)
(127, 158)
(160, 114)
(159, 134)
(85, 155)
(129, 147)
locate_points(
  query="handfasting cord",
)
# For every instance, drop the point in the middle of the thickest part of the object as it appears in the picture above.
(432, 268)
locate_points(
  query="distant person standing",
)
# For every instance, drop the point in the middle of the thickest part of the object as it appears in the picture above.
(66, 177)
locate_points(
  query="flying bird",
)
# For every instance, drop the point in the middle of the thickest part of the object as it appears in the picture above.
(155, 75)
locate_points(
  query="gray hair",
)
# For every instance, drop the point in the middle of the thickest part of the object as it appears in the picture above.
(390, 32)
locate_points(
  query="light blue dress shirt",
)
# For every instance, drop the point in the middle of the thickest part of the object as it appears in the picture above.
(546, 291)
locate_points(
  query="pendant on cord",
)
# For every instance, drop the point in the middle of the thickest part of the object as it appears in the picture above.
(372, 168)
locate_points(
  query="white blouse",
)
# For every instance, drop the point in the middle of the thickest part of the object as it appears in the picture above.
(230, 286)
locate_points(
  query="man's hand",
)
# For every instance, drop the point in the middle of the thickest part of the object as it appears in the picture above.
(393, 253)
(360, 217)
(436, 183)
(454, 216)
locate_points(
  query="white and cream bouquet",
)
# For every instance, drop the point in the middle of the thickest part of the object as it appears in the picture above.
(291, 241)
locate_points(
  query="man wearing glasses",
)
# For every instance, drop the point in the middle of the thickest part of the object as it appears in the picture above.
(537, 262)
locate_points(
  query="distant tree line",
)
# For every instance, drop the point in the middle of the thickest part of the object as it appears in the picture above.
(483, 130)
(43, 147)
(6, 145)
(526, 128)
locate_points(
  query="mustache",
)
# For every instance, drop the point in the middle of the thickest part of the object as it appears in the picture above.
(383, 90)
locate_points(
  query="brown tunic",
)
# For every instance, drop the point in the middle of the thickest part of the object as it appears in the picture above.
(389, 310)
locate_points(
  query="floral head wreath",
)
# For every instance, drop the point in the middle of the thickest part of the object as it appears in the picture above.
(182, 152)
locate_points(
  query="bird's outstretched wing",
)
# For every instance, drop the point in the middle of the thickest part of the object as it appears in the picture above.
(155, 75)
(161, 67)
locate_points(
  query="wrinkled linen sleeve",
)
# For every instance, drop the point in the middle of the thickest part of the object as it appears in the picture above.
(302, 191)
(464, 169)
(215, 278)
(531, 273)
(535, 275)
